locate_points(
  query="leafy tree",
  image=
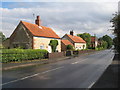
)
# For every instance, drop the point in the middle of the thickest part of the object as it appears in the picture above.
(115, 42)
(53, 44)
(104, 44)
(86, 37)
(116, 28)
(2, 36)
(108, 39)
(69, 47)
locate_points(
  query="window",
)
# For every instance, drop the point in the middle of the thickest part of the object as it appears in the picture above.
(42, 47)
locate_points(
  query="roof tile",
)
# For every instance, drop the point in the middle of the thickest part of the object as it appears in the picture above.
(66, 42)
(41, 31)
(76, 39)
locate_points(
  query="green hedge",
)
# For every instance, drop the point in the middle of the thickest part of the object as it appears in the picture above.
(9, 55)
(100, 48)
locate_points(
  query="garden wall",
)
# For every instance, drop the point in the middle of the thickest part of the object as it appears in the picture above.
(56, 55)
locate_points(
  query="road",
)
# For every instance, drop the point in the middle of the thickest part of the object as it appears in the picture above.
(78, 72)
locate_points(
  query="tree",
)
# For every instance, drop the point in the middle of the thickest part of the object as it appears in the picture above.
(104, 44)
(86, 37)
(116, 28)
(69, 47)
(53, 44)
(108, 39)
(115, 43)
(2, 36)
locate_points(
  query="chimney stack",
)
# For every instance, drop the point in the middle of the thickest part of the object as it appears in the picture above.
(71, 32)
(38, 21)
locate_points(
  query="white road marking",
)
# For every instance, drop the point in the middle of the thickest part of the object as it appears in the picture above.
(31, 76)
(77, 62)
(91, 85)
(74, 63)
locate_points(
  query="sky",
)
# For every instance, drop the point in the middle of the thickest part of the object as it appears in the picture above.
(80, 16)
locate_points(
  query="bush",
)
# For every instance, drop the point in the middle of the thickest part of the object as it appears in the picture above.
(100, 48)
(69, 47)
(9, 55)
(53, 44)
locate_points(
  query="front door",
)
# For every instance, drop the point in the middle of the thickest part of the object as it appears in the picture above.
(49, 49)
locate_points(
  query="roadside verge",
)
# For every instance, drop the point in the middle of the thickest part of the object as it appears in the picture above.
(109, 78)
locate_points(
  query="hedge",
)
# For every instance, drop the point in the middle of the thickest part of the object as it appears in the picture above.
(9, 55)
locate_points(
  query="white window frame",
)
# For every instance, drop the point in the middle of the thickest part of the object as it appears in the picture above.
(41, 46)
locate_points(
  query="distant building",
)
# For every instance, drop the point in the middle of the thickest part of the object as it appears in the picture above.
(33, 36)
(94, 42)
(77, 42)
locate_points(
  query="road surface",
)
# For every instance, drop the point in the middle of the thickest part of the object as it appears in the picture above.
(78, 72)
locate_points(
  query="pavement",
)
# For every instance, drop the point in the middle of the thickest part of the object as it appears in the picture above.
(14, 65)
(79, 72)
(109, 78)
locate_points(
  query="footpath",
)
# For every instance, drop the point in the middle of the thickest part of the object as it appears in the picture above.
(13, 65)
(109, 78)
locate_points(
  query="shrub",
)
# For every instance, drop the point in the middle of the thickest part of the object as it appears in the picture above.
(69, 47)
(100, 48)
(53, 44)
(9, 55)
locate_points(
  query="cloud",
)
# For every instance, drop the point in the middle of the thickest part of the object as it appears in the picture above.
(91, 17)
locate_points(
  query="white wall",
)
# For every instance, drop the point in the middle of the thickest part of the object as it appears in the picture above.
(44, 42)
(80, 46)
(96, 43)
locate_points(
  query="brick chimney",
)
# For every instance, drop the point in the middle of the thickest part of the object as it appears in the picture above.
(38, 21)
(71, 32)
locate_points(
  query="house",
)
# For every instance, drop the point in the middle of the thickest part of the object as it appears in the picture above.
(94, 42)
(78, 42)
(64, 44)
(33, 36)
(6, 43)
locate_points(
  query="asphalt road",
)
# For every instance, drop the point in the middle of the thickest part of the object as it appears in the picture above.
(79, 72)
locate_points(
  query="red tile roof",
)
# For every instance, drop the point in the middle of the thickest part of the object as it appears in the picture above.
(66, 42)
(76, 39)
(41, 31)
(92, 39)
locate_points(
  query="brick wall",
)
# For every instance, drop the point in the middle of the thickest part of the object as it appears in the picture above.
(56, 55)
(67, 53)
(86, 51)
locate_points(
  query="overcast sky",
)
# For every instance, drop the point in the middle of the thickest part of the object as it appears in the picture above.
(87, 16)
